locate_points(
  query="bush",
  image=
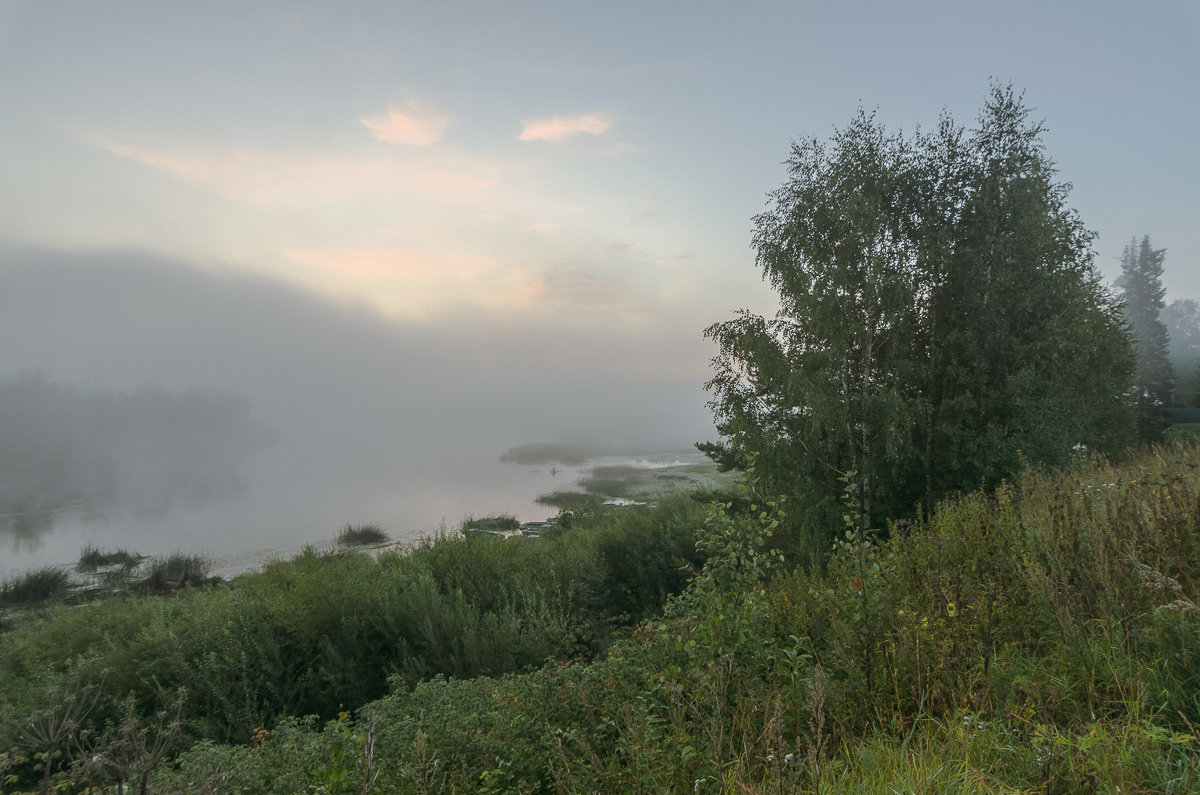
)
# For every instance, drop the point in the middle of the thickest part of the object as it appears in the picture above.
(325, 631)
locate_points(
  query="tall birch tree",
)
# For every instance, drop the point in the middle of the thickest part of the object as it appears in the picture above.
(941, 323)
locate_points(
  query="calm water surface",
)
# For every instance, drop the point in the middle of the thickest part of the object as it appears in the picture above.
(283, 505)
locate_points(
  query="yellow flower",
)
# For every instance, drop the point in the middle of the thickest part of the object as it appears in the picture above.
(950, 609)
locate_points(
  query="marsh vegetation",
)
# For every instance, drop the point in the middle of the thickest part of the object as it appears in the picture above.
(361, 536)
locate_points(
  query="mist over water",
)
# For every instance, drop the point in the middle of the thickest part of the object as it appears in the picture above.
(362, 419)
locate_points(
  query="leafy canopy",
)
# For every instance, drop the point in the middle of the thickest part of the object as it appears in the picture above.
(940, 324)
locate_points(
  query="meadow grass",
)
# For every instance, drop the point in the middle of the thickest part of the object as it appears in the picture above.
(1041, 638)
(325, 631)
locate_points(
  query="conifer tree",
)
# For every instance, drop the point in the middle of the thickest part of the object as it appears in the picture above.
(1182, 319)
(1142, 291)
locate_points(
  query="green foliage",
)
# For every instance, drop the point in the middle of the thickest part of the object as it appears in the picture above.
(1182, 431)
(504, 523)
(325, 630)
(1040, 638)
(941, 324)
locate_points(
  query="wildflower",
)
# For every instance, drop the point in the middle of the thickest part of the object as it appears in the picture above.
(950, 609)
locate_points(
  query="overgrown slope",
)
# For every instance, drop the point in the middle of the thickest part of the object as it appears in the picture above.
(1042, 638)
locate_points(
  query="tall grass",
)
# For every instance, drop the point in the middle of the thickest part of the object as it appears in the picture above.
(92, 559)
(1042, 638)
(361, 536)
(176, 570)
(570, 501)
(32, 587)
(504, 523)
(325, 631)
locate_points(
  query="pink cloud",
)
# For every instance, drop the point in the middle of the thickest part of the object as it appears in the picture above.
(560, 128)
(413, 125)
(417, 282)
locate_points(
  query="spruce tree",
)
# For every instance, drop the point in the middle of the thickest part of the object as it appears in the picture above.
(1182, 319)
(1142, 291)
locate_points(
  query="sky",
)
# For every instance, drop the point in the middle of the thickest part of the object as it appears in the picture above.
(532, 203)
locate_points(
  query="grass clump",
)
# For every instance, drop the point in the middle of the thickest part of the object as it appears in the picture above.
(33, 587)
(619, 471)
(92, 559)
(605, 486)
(573, 501)
(504, 523)
(175, 571)
(363, 535)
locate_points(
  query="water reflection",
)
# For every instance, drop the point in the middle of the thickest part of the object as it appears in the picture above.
(21, 527)
(73, 460)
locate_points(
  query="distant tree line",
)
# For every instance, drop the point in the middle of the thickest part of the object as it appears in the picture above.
(60, 444)
(1182, 319)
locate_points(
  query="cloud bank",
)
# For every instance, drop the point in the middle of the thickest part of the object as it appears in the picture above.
(339, 375)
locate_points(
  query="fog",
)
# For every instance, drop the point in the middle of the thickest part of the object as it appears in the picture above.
(369, 419)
